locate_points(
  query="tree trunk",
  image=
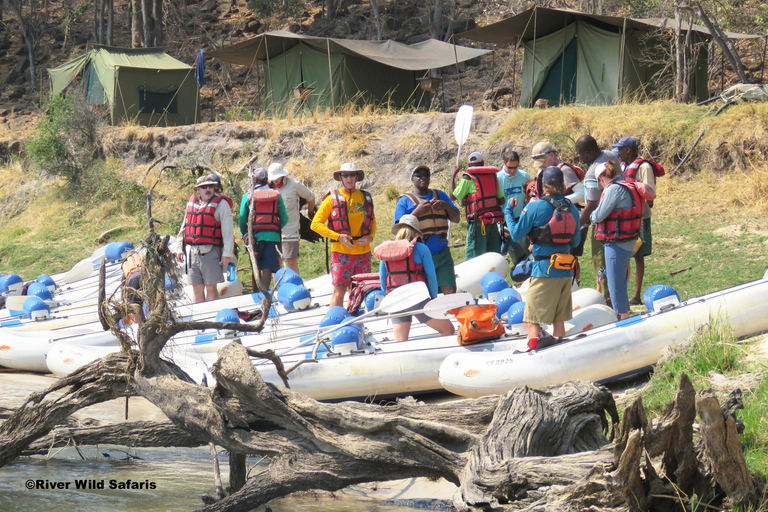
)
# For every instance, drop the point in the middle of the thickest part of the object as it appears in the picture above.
(436, 20)
(679, 60)
(377, 18)
(146, 23)
(157, 20)
(136, 24)
(725, 44)
(110, 20)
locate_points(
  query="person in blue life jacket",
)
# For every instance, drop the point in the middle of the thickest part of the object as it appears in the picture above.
(512, 181)
(407, 260)
(435, 212)
(551, 224)
(269, 218)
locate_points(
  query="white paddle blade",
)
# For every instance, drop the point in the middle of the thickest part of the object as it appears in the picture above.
(463, 123)
(404, 297)
(81, 270)
(438, 308)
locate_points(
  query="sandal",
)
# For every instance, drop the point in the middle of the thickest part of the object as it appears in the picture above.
(635, 302)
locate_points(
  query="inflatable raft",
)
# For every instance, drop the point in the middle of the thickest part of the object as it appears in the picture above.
(609, 352)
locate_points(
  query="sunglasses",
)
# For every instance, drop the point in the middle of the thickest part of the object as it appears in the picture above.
(421, 175)
(348, 174)
(512, 167)
(206, 186)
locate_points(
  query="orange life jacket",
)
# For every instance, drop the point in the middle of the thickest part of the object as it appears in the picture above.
(432, 222)
(401, 265)
(484, 203)
(622, 225)
(200, 225)
(339, 220)
(266, 215)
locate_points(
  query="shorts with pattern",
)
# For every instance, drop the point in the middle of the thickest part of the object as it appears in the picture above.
(344, 266)
(548, 300)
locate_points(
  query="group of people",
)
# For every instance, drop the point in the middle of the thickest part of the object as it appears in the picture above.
(544, 218)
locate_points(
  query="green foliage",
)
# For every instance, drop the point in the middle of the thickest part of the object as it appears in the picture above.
(392, 192)
(238, 113)
(280, 8)
(65, 142)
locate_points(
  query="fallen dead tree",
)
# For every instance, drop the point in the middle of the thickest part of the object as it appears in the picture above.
(527, 450)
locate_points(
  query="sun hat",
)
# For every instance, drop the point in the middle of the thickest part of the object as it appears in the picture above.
(276, 171)
(542, 149)
(475, 157)
(420, 168)
(208, 179)
(407, 220)
(627, 142)
(348, 167)
(552, 175)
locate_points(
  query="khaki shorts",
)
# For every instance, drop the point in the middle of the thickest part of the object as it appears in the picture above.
(290, 249)
(205, 268)
(548, 300)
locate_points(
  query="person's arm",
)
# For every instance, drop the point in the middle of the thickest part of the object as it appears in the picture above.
(242, 220)
(320, 218)
(178, 245)
(509, 214)
(223, 214)
(607, 204)
(645, 174)
(442, 203)
(282, 212)
(577, 195)
(577, 236)
(429, 267)
(454, 173)
(524, 224)
(586, 212)
(383, 275)
(404, 206)
(306, 194)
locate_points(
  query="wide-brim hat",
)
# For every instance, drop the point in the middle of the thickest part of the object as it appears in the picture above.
(349, 167)
(407, 220)
(208, 179)
(276, 171)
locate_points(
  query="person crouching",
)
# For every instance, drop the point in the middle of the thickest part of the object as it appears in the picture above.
(407, 260)
(551, 224)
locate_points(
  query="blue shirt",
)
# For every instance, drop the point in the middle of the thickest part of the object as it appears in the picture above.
(421, 256)
(537, 214)
(513, 186)
(405, 206)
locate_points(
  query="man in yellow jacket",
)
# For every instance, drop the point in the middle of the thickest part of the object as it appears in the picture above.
(352, 227)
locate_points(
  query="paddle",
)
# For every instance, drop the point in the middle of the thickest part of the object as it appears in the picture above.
(438, 308)
(81, 270)
(461, 128)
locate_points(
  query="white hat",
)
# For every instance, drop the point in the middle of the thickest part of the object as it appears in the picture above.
(600, 169)
(347, 167)
(276, 171)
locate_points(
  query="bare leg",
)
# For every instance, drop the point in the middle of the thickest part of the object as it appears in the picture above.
(293, 264)
(443, 326)
(337, 299)
(211, 292)
(639, 273)
(198, 293)
(447, 290)
(532, 330)
(558, 329)
(401, 331)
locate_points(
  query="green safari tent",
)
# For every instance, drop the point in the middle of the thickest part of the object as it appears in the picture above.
(328, 72)
(142, 85)
(575, 57)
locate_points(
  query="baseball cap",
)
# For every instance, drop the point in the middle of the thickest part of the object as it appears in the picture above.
(552, 175)
(542, 149)
(600, 169)
(420, 168)
(475, 157)
(208, 179)
(261, 175)
(626, 142)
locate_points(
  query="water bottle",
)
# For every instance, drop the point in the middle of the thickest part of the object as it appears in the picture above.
(231, 272)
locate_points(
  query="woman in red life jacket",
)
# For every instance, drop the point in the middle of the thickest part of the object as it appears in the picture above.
(406, 260)
(618, 220)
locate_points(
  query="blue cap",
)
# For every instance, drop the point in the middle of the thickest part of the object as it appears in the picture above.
(627, 142)
(552, 175)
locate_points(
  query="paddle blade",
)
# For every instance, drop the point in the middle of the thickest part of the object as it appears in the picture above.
(81, 270)
(438, 308)
(463, 123)
(404, 297)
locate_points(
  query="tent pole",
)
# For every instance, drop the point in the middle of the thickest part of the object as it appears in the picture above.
(533, 61)
(271, 85)
(514, 68)
(330, 72)
(287, 85)
(458, 72)
(562, 61)
(621, 62)
(765, 46)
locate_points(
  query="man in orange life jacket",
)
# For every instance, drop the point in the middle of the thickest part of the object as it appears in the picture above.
(639, 169)
(352, 227)
(482, 198)
(269, 218)
(434, 210)
(552, 225)
(206, 238)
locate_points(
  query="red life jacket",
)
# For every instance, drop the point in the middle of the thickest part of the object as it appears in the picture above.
(622, 225)
(339, 221)
(483, 204)
(560, 229)
(631, 169)
(401, 266)
(200, 226)
(431, 222)
(266, 215)
(579, 174)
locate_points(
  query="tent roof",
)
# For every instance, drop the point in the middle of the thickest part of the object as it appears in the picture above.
(425, 55)
(521, 26)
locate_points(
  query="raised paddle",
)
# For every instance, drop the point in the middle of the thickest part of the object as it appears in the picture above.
(461, 128)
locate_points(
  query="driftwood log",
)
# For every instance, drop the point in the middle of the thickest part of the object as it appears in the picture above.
(535, 450)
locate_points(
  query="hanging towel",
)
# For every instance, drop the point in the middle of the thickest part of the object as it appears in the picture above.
(200, 68)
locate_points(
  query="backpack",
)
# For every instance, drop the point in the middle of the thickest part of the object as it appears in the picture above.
(478, 323)
(560, 229)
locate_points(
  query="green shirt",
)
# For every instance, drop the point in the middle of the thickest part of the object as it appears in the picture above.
(466, 187)
(262, 236)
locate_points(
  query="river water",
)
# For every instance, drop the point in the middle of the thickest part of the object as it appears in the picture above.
(156, 479)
